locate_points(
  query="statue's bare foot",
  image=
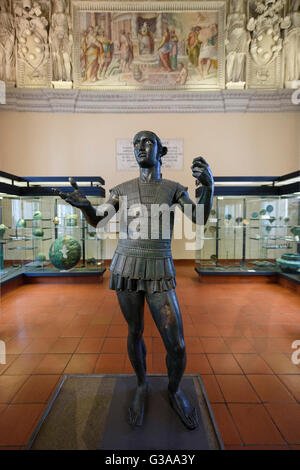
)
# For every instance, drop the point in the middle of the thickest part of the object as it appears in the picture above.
(186, 412)
(136, 411)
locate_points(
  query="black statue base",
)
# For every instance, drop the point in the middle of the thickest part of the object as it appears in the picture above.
(91, 412)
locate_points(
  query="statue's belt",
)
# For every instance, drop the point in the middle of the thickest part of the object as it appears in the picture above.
(145, 248)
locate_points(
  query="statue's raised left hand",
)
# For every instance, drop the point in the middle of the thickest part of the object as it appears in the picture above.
(202, 172)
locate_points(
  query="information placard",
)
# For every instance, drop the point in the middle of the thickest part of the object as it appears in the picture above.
(2, 92)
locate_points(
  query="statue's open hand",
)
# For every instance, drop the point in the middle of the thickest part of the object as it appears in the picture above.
(202, 172)
(76, 198)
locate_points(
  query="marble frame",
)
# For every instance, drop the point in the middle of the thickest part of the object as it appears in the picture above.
(80, 7)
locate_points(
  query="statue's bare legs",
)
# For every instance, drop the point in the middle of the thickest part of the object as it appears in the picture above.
(166, 314)
(132, 306)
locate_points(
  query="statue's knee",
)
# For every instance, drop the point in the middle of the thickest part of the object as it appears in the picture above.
(135, 333)
(179, 351)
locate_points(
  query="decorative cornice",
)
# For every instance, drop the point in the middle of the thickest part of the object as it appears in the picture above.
(83, 101)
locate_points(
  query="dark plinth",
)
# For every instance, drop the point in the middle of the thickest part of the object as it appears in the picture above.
(91, 412)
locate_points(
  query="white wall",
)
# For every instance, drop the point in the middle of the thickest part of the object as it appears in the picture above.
(84, 144)
(47, 144)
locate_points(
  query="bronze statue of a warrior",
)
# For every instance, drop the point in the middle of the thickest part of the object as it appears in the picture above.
(142, 267)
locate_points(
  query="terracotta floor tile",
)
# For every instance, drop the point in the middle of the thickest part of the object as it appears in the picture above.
(224, 364)
(102, 318)
(195, 311)
(252, 322)
(159, 363)
(155, 333)
(149, 363)
(90, 345)
(114, 345)
(227, 428)
(189, 330)
(2, 407)
(64, 345)
(18, 422)
(25, 364)
(158, 345)
(81, 364)
(198, 320)
(147, 330)
(52, 364)
(270, 389)
(240, 345)
(96, 331)
(74, 331)
(17, 345)
(230, 331)
(110, 364)
(118, 319)
(252, 364)
(271, 344)
(212, 389)
(198, 364)
(236, 388)
(45, 331)
(287, 418)
(214, 345)
(292, 382)
(9, 386)
(82, 320)
(8, 332)
(186, 318)
(117, 331)
(193, 345)
(37, 389)
(254, 424)
(39, 345)
(128, 369)
(10, 358)
(148, 340)
(206, 329)
(280, 363)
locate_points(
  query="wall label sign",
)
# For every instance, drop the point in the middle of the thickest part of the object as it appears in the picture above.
(2, 92)
(126, 160)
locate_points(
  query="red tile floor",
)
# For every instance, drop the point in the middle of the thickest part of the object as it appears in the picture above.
(238, 337)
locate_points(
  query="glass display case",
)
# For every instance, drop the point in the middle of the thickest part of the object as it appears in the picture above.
(249, 233)
(30, 224)
(223, 237)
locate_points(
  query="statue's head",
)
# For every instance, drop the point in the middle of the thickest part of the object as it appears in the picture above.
(148, 149)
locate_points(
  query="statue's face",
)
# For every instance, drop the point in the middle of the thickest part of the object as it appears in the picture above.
(146, 149)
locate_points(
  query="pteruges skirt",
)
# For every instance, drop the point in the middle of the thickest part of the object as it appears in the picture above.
(135, 274)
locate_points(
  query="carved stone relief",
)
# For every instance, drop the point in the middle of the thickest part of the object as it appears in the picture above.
(33, 58)
(7, 43)
(291, 47)
(61, 39)
(237, 40)
(266, 22)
